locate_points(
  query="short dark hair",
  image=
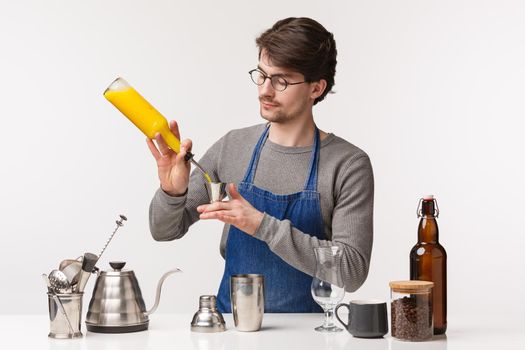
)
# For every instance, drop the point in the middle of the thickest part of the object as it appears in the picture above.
(302, 45)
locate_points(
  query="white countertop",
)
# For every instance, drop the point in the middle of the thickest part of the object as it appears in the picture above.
(280, 331)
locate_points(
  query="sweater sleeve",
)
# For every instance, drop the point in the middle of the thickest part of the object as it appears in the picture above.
(352, 227)
(170, 217)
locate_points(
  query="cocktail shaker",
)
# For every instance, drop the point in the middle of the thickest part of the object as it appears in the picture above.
(247, 299)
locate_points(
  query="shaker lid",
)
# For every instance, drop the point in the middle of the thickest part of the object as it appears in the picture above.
(411, 286)
(208, 319)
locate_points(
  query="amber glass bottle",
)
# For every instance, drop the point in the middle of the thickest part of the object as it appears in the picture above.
(428, 260)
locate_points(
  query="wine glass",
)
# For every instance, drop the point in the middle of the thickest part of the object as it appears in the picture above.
(327, 284)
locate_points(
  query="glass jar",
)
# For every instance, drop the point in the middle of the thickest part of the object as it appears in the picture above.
(411, 310)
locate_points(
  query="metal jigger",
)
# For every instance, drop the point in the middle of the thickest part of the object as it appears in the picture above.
(216, 191)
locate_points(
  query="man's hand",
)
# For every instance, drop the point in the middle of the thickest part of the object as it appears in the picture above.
(173, 169)
(237, 212)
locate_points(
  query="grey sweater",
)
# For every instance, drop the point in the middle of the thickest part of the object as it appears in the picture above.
(345, 182)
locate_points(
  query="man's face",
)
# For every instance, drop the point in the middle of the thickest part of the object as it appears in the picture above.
(283, 106)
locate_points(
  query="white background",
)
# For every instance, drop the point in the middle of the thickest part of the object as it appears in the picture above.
(432, 90)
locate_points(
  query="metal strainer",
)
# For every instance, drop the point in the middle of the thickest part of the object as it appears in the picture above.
(59, 282)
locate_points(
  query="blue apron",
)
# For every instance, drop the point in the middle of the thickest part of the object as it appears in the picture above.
(286, 288)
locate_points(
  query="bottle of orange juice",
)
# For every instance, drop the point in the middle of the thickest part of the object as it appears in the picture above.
(145, 117)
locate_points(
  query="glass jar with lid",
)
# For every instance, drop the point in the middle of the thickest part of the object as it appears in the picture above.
(411, 310)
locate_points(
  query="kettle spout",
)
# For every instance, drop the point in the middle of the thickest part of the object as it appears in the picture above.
(159, 288)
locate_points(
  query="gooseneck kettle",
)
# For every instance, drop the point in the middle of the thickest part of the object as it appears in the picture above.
(117, 305)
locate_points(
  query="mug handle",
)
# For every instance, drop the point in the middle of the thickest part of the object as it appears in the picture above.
(337, 316)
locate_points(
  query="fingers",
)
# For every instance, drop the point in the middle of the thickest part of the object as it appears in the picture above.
(214, 207)
(187, 144)
(185, 147)
(202, 208)
(174, 127)
(227, 219)
(162, 145)
(233, 193)
(222, 215)
(153, 149)
(223, 211)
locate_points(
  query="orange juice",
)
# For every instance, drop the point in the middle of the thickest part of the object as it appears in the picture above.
(141, 113)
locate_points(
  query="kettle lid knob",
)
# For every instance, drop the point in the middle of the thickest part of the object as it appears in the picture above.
(117, 265)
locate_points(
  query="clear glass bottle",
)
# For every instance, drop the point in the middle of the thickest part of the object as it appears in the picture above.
(145, 117)
(140, 112)
(411, 310)
(428, 260)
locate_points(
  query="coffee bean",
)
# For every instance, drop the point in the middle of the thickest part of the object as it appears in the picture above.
(412, 317)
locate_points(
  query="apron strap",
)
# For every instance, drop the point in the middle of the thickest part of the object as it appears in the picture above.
(311, 180)
(250, 172)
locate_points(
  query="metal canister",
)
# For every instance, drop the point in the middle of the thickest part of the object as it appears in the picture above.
(65, 315)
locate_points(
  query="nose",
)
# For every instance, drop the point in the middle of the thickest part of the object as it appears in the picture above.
(266, 89)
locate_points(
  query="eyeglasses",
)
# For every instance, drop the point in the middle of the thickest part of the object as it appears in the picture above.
(277, 81)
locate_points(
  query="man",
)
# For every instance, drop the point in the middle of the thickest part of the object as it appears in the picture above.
(297, 187)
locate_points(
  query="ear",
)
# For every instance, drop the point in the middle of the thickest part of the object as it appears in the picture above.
(318, 88)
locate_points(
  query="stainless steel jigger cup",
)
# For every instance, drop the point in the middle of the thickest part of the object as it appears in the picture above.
(60, 323)
(216, 191)
(247, 301)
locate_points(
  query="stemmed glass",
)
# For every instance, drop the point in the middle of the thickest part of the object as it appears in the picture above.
(327, 285)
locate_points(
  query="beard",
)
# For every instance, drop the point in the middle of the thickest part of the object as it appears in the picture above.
(274, 114)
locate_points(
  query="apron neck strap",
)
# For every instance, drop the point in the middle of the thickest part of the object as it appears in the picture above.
(250, 172)
(311, 180)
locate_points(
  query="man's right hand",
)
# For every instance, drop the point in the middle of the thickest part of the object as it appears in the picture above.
(174, 170)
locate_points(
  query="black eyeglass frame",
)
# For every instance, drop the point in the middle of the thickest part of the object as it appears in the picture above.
(271, 77)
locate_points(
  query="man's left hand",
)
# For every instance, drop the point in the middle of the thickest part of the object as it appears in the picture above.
(237, 212)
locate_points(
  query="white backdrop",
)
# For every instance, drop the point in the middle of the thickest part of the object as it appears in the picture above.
(432, 90)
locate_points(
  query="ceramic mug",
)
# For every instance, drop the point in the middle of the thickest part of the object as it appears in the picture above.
(366, 318)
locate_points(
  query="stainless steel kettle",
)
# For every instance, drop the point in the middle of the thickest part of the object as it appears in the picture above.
(117, 305)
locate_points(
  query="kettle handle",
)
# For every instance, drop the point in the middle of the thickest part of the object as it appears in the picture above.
(159, 288)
